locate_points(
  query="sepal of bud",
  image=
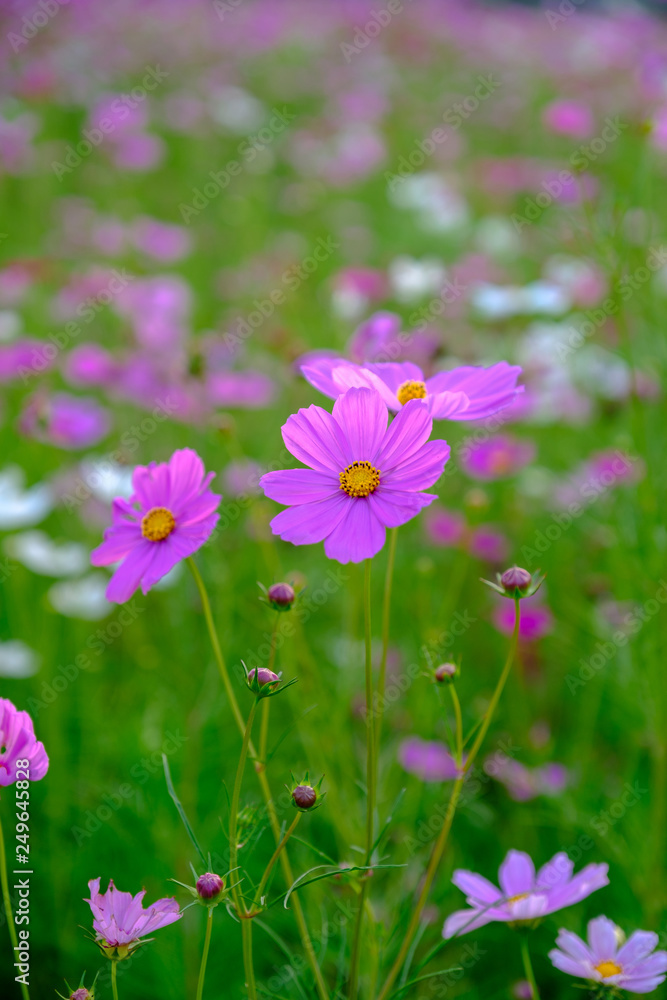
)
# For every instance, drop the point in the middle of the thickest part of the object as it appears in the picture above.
(280, 596)
(265, 683)
(516, 583)
(209, 889)
(79, 992)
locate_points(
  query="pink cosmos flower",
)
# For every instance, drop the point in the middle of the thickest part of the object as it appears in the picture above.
(362, 478)
(65, 421)
(632, 965)
(170, 515)
(19, 743)
(536, 619)
(444, 527)
(500, 456)
(524, 895)
(569, 118)
(427, 759)
(461, 394)
(120, 919)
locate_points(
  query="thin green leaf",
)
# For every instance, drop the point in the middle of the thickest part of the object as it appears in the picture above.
(429, 975)
(181, 810)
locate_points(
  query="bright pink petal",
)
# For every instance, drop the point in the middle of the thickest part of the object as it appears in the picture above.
(395, 373)
(152, 485)
(421, 471)
(517, 873)
(359, 534)
(409, 430)
(476, 887)
(393, 507)
(352, 377)
(186, 473)
(128, 576)
(362, 417)
(118, 542)
(448, 405)
(313, 436)
(308, 523)
(293, 486)
(463, 921)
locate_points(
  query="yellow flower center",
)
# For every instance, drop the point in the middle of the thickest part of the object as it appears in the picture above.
(515, 899)
(608, 969)
(411, 390)
(157, 524)
(359, 479)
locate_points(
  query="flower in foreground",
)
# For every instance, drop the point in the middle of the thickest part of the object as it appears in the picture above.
(524, 895)
(633, 965)
(170, 515)
(19, 748)
(468, 393)
(120, 920)
(362, 478)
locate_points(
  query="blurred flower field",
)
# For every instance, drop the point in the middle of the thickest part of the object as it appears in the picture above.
(417, 250)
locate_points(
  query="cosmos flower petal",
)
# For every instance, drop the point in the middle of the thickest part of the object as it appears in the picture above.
(151, 485)
(118, 541)
(409, 431)
(348, 376)
(186, 473)
(572, 945)
(463, 921)
(307, 523)
(477, 381)
(315, 438)
(572, 966)
(590, 878)
(393, 507)
(358, 535)
(422, 470)
(642, 985)
(395, 373)
(128, 576)
(294, 486)
(362, 417)
(476, 886)
(516, 873)
(557, 871)
(602, 935)
(165, 557)
(448, 405)
(638, 946)
(19, 743)
(318, 371)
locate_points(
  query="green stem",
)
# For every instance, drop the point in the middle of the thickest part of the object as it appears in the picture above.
(274, 858)
(264, 725)
(236, 795)
(204, 955)
(459, 725)
(114, 984)
(8, 906)
(441, 842)
(386, 613)
(370, 782)
(528, 967)
(246, 930)
(264, 784)
(217, 651)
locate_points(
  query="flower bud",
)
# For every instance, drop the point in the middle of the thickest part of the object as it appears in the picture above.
(281, 596)
(304, 796)
(262, 677)
(445, 673)
(81, 994)
(209, 886)
(516, 581)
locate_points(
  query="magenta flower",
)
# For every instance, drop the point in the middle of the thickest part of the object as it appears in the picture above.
(170, 515)
(120, 919)
(19, 743)
(633, 965)
(523, 894)
(536, 619)
(65, 421)
(460, 394)
(500, 456)
(362, 478)
(427, 759)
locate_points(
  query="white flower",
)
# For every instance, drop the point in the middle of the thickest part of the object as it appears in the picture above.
(42, 555)
(107, 479)
(83, 598)
(21, 508)
(413, 279)
(17, 660)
